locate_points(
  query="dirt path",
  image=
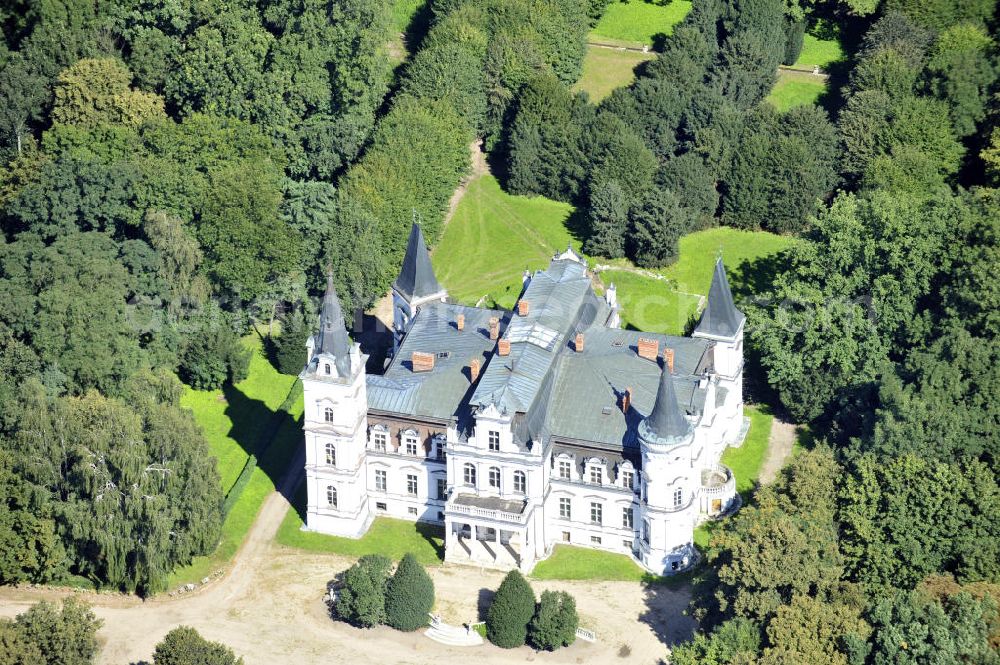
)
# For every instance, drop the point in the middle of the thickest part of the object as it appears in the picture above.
(779, 447)
(479, 168)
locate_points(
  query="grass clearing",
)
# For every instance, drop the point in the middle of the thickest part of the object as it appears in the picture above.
(568, 562)
(747, 460)
(650, 304)
(605, 69)
(391, 537)
(818, 52)
(638, 22)
(493, 237)
(795, 89)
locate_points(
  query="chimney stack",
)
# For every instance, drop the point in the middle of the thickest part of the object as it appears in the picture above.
(422, 362)
(648, 348)
(578, 343)
(523, 306)
(460, 322)
(503, 347)
(494, 328)
(473, 370)
(668, 359)
(627, 400)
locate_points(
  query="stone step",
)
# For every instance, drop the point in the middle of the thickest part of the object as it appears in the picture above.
(455, 636)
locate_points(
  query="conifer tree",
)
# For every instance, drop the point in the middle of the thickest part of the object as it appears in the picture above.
(511, 610)
(362, 600)
(409, 596)
(554, 624)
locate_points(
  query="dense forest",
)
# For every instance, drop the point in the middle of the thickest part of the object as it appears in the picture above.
(173, 171)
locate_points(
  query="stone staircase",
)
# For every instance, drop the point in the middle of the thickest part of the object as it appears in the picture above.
(455, 636)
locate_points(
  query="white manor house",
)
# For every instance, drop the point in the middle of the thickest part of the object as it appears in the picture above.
(517, 430)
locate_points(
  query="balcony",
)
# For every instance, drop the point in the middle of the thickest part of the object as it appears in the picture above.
(718, 491)
(491, 508)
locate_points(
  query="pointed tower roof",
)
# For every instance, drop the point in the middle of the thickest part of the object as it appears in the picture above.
(332, 338)
(720, 318)
(416, 278)
(666, 423)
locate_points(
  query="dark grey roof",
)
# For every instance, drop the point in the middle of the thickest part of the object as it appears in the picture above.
(416, 278)
(441, 393)
(720, 318)
(490, 503)
(332, 338)
(666, 422)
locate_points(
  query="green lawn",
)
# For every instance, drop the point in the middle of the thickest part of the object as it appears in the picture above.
(693, 270)
(493, 237)
(387, 536)
(638, 21)
(605, 69)
(795, 89)
(230, 418)
(651, 305)
(579, 563)
(747, 460)
(816, 51)
(403, 12)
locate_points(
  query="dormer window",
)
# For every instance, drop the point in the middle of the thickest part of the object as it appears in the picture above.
(328, 414)
(565, 469)
(628, 479)
(378, 441)
(326, 368)
(596, 475)
(410, 444)
(494, 441)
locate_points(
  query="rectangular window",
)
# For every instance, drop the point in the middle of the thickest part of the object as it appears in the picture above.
(412, 511)
(565, 469)
(627, 518)
(411, 447)
(380, 480)
(411, 484)
(520, 482)
(628, 480)
(645, 531)
(596, 512)
(678, 497)
(442, 485)
(566, 536)
(564, 509)
(627, 544)
(378, 439)
(494, 477)
(595, 475)
(595, 540)
(494, 441)
(380, 506)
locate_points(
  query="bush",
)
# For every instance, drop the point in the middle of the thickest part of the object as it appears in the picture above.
(511, 610)
(554, 624)
(409, 596)
(362, 600)
(290, 346)
(184, 646)
(66, 637)
(794, 33)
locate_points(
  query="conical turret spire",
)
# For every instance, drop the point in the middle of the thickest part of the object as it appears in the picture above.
(666, 422)
(416, 278)
(720, 318)
(332, 338)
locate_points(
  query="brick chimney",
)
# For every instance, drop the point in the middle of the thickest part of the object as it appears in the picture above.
(648, 348)
(473, 370)
(422, 362)
(494, 328)
(460, 322)
(578, 343)
(668, 359)
(503, 347)
(523, 307)
(627, 400)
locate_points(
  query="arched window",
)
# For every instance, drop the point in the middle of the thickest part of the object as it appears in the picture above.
(328, 414)
(678, 497)
(331, 496)
(495, 477)
(469, 473)
(326, 368)
(520, 482)
(331, 455)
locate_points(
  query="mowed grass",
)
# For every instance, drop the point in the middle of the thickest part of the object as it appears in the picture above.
(638, 22)
(568, 562)
(649, 304)
(605, 69)
(229, 428)
(821, 52)
(795, 89)
(747, 460)
(493, 237)
(387, 536)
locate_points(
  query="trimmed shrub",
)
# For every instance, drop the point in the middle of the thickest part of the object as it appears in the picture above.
(184, 646)
(511, 610)
(554, 624)
(409, 596)
(362, 600)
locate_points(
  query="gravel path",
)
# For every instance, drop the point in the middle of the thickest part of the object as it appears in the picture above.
(779, 447)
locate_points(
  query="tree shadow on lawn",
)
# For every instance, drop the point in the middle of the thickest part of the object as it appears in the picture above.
(666, 601)
(255, 428)
(485, 600)
(434, 535)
